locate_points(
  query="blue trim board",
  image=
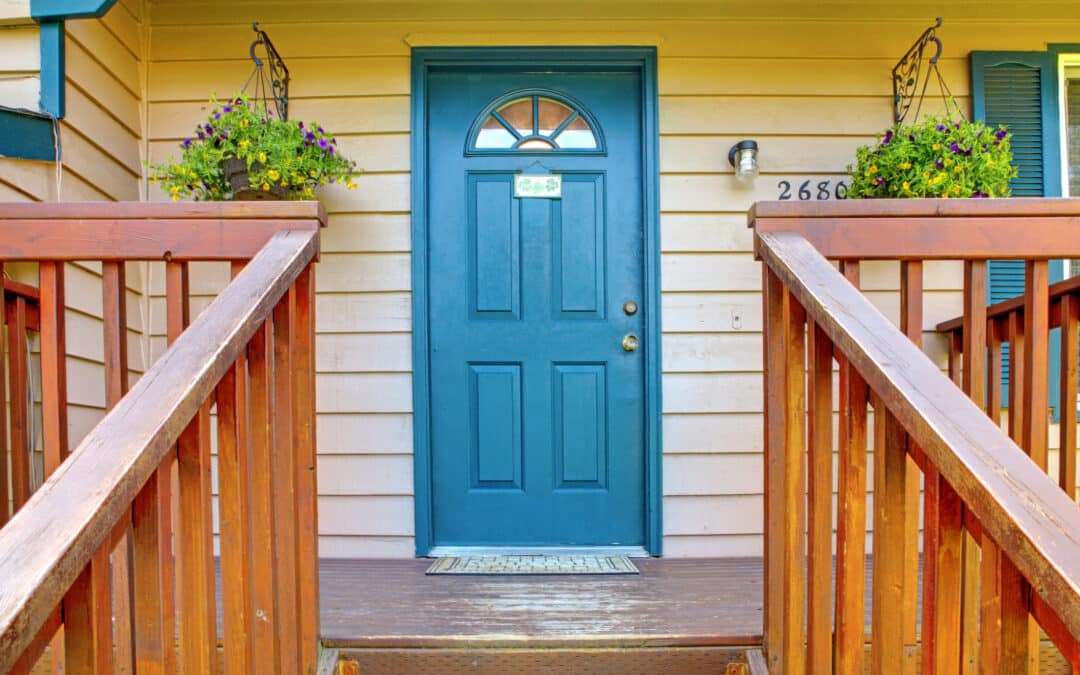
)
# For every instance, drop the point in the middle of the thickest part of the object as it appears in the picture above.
(58, 10)
(26, 135)
(53, 56)
(641, 59)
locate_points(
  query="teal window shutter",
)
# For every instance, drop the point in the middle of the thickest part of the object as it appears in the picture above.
(1020, 90)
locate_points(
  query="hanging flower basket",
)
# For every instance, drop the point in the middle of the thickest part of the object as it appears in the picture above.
(236, 175)
(243, 152)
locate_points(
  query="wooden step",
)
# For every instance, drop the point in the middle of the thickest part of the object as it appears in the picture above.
(649, 660)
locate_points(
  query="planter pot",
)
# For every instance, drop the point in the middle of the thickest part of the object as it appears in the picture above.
(236, 174)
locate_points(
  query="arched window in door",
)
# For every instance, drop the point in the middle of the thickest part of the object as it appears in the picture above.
(535, 121)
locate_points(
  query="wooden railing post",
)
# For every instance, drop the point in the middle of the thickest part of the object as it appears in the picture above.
(851, 512)
(306, 465)
(283, 475)
(234, 489)
(19, 411)
(261, 413)
(819, 419)
(1070, 381)
(773, 300)
(890, 525)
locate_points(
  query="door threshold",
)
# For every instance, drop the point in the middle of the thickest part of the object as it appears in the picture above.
(447, 551)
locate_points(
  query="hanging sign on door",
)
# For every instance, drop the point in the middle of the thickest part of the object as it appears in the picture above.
(537, 186)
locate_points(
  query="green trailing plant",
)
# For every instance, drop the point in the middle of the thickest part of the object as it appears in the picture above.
(296, 156)
(936, 157)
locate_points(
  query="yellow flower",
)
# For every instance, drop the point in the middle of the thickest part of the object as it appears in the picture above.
(351, 185)
(176, 197)
(905, 165)
(906, 186)
(926, 174)
(274, 175)
(936, 146)
(873, 169)
(266, 186)
(958, 169)
(174, 189)
(990, 162)
(956, 189)
(192, 175)
(948, 161)
(313, 173)
(262, 156)
(243, 145)
(938, 178)
(244, 123)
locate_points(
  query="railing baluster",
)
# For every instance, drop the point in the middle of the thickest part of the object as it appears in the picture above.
(890, 515)
(53, 387)
(1070, 347)
(990, 564)
(974, 385)
(284, 478)
(306, 464)
(234, 485)
(114, 317)
(5, 476)
(772, 300)
(819, 499)
(911, 324)
(194, 540)
(851, 512)
(1015, 333)
(266, 645)
(1037, 329)
(20, 412)
(155, 619)
(794, 514)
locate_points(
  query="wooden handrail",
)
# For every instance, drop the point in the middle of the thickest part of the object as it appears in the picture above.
(925, 229)
(977, 479)
(148, 231)
(52, 539)
(1000, 310)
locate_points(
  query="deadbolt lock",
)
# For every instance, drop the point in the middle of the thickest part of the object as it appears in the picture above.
(630, 307)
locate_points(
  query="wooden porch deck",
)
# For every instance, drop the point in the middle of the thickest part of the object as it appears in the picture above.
(673, 602)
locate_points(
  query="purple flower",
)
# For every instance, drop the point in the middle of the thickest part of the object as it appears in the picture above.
(939, 164)
(940, 127)
(323, 144)
(310, 137)
(978, 194)
(1000, 134)
(217, 115)
(957, 125)
(200, 133)
(321, 130)
(227, 109)
(997, 143)
(187, 143)
(334, 141)
(209, 129)
(331, 149)
(911, 137)
(301, 124)
(879, 181)
(955, 148)
(888, 137)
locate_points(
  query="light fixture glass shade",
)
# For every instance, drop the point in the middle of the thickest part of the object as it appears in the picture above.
(743, 157)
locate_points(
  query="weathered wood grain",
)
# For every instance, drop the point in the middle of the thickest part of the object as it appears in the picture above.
(851, 510)
(42, 552)
(819, 590)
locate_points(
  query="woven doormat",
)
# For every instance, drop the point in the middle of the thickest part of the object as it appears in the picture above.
(533, 564)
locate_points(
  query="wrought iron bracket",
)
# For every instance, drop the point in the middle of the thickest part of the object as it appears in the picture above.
(271, 76)
(907, 74)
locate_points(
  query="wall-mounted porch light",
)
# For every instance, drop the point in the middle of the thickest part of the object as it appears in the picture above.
(743, 156)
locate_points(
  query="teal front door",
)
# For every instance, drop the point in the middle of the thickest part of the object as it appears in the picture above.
(535, 292)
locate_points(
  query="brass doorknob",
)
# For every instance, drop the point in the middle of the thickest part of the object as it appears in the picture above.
(630, 343)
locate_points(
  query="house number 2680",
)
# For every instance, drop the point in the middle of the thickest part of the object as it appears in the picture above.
(809, 190)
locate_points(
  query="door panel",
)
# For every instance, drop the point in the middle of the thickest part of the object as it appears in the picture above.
(537, 428)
